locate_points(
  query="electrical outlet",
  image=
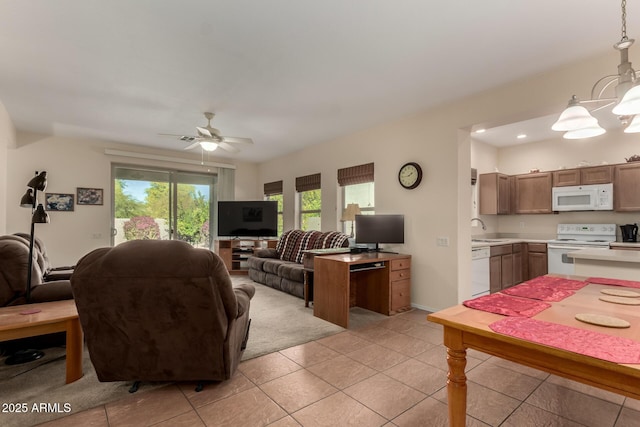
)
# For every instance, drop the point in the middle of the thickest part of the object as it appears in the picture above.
(442, 241)
(96, 235)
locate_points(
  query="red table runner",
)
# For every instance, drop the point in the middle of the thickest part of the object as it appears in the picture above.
(581, 341)
(507, 305)
(546, 288)
(614, 282)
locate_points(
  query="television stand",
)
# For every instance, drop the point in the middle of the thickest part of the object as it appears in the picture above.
(234, 252)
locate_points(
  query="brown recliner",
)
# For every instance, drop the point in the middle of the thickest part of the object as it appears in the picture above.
(154, 310)
(14, 262)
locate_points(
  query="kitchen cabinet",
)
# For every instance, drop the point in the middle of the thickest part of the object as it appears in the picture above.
(626, 187)
(517, 263)
(536, 260)
(583, 176)
(500, 268)
(494, 194)
(533, 193)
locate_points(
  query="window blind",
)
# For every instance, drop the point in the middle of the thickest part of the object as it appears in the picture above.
(355, 174)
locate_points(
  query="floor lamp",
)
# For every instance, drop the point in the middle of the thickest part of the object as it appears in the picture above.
(38, 216)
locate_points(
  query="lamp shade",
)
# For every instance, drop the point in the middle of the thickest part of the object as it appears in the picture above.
(40, 216)
(27, 200)
(574, 117)
(349, 214)
(38, 182)
(634, 126)
(587, 132)
(208, 145)
(630, 103)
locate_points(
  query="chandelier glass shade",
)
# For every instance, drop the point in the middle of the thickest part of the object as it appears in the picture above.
(577, 121)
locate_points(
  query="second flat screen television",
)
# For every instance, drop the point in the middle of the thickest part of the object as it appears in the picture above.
(379, 229)
(257, 218)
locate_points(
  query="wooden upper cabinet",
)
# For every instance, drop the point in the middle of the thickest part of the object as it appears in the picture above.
(596, 175)
(494, 194)
(533, 193)
(566, 177)
(626, 187)
(583, 176)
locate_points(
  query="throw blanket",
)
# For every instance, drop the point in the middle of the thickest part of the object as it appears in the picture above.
(293, 243)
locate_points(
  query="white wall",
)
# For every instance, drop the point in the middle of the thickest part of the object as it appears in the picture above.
(7, 139)
(72, 163)
(439, 140)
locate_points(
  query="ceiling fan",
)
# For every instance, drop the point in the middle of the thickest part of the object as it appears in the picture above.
(209, 138)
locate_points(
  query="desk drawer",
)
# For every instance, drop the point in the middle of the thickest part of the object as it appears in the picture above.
(400, 295)
(399, 275)
(400, 264)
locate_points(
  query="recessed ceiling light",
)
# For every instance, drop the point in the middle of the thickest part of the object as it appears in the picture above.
(481, 131)
(522, 136)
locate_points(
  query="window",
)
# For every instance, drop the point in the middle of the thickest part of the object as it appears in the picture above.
(273, 191)
(309, 202)
(357, 188)
(162, 204)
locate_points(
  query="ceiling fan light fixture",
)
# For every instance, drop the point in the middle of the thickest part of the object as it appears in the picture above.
(586, 132)
(208, 145)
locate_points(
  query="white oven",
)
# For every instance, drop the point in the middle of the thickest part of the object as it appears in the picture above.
(597, 197)
(573, 237)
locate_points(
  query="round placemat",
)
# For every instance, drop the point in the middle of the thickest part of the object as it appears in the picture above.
(620, 293)
(620, 300)
(602, 320)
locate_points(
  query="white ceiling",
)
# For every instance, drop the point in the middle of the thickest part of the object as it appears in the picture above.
(286, 73)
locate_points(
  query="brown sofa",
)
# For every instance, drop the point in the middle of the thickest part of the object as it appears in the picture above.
(14, 262)
(281, 268)
(154, 310)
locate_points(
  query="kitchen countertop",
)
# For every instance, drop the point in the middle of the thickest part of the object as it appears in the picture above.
(625, 244)
(481, 243)
(613, 255)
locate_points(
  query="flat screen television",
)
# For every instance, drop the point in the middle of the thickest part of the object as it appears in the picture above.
(379, 229)
(257, 218)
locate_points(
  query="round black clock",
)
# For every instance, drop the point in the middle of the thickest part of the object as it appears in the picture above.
(410, 175)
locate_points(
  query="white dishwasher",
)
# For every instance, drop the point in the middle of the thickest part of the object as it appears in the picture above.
(480, 271)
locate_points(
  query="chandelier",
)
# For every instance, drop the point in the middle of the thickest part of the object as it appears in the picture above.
(576, 120)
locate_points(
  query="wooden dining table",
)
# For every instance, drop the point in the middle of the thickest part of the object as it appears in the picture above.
(470, 328)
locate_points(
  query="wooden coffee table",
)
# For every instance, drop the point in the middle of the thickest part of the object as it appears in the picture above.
(57, 316)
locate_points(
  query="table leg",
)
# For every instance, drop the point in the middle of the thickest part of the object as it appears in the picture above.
(456, 378)
(74, 350)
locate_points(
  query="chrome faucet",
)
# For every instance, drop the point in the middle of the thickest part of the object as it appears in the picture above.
(484, 227)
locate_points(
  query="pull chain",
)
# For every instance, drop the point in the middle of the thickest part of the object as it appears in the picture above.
(624, 20)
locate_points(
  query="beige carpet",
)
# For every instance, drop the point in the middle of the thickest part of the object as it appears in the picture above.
(279, 321)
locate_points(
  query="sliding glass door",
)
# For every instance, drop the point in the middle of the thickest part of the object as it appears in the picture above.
(162, 204)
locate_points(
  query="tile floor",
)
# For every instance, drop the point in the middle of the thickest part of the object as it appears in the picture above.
(392, 373)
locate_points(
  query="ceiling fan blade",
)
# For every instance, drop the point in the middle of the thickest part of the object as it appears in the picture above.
(204, 132)
(194, 145)
(169, 134)
(229, 148)
(237, 140)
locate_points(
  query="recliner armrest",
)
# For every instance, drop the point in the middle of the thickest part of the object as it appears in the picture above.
(244, 292)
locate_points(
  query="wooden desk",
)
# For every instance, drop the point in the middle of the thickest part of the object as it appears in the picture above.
(468, 328)
(346, 280)
(56, 316)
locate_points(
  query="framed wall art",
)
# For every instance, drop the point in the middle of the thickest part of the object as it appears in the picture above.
(60, 202)
(90, 196)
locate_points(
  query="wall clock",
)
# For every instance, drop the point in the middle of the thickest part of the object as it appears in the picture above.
(410, 175)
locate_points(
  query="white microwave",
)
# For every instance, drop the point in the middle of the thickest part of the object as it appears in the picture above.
(597, 197)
